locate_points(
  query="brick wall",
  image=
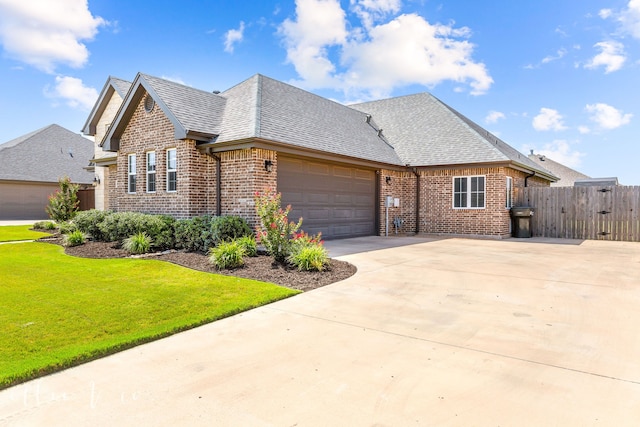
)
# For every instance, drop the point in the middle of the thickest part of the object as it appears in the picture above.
(401, 186)
(437, 215)
(153, 131)
(243, 174)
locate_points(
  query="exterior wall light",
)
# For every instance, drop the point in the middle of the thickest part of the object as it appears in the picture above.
(388, 180)
(96, 180)
(268, 165)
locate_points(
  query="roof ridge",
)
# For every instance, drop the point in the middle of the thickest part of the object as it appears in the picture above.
(18, 140)
(258, 118)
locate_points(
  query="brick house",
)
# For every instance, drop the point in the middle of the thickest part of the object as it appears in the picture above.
(187, 152)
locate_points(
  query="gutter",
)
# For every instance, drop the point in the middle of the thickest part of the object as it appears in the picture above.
(218, 181)
(415, 172)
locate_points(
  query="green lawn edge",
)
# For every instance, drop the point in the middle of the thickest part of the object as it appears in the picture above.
(74, 354)
(16, 233)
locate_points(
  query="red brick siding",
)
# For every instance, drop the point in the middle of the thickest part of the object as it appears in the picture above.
(437, 215)
(243, 174)
(153, 131)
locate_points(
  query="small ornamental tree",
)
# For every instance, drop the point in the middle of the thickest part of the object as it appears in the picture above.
(63, 204)
(275, 231)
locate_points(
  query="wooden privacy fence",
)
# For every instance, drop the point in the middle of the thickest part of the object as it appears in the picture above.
(597, 213)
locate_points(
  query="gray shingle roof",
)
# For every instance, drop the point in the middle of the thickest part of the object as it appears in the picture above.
(46, 155)
(427, 132)
(265, 108)
(567, 175)
(195, 110)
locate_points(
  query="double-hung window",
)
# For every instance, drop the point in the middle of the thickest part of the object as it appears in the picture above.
(469, 192)
(509, 195)
(131, 173)
(151, 172)
(172, 170)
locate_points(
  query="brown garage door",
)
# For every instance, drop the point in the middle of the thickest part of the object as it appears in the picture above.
(334, 199)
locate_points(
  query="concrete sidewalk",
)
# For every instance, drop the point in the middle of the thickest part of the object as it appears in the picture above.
(431, 332)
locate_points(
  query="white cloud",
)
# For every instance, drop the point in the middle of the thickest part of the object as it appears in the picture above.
(74, 92)
(629, 18)
(370, 61)
(584, 130)
(607, 117)
(561, 151)
(559, 55)
(319, 24)
(611, 56)
(494, 116)
(232, 37)
(44, 33)
(370, 11)
(548, 119)
(605, 13)
(175, 79)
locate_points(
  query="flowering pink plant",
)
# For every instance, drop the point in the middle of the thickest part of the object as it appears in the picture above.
(275, 231)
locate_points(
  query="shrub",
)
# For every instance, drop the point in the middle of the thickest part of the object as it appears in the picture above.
(194, 235)
(275, 230)
(118, 226)
(88, 222)
(74, 238)
(226, 228)
(45, 225)
(308, 253)
(68, 227)
(227, 255)
(249, 245)
(139, 243)
(63, 204)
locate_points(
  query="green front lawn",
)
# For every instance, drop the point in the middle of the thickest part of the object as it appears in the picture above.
(12, 233)
(58, 311)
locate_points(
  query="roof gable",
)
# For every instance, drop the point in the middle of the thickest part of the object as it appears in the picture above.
(111, 86)
(46, 155)
(194, 113)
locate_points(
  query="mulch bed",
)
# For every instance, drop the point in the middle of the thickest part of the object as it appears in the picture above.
(260, 268)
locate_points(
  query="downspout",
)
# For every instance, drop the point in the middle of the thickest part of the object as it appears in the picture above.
(415, 172)
(218, 182)
(526, 178)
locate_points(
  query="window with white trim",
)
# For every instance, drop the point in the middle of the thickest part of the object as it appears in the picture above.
(509, 195)
(151, 172)
(131, 173)
(172, 170)
(469, 192)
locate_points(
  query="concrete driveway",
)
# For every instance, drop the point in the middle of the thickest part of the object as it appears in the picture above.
(429, 332)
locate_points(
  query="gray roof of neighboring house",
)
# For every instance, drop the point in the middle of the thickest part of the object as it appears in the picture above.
(567, 175)
(427, 132)
(113, 84)
(46, 155)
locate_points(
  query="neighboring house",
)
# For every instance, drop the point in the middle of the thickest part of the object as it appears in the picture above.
(32, 165)
(597, 182)
(187, 152)
(97, 124)
(566, 175)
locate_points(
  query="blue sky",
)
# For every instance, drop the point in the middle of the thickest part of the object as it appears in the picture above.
(561, 77)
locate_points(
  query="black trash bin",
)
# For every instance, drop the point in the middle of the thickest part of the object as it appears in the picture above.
(521, 219)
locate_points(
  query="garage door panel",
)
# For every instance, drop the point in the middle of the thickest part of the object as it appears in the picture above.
(336, 200)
